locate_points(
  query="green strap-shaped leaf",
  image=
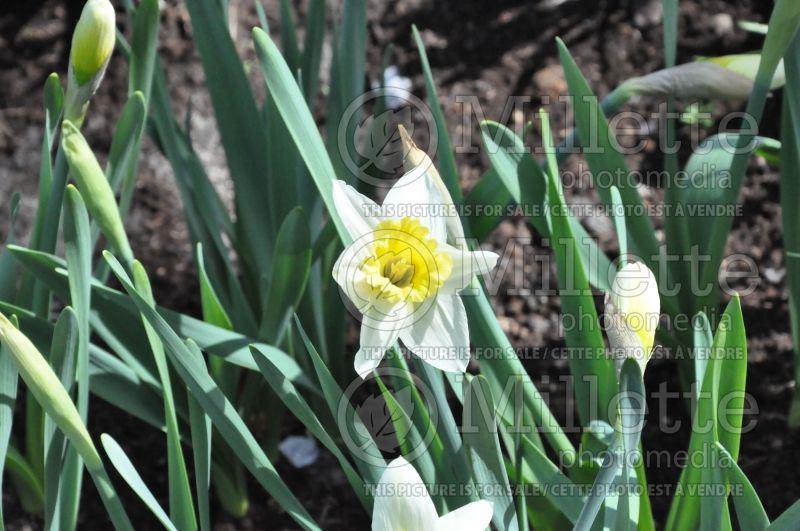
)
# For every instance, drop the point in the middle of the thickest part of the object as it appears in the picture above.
(63, 358)
(52, 179)
(240, 128)
(783, 26)
(788, 520)
(111, 379)
(181, 507)
(336, 401)
(226, 375)
(222, 413)
(120, 461)
(447, 160)
(790, 214)
(713, 191)
(295, 402)
(300, 124)
(143, 48)
(8, 397)
(201, 449)
(703, 341)
(77, 245)
(557, 487)
(749, 511)
(592, 371)
(604, 159)
(312, 49)
(291, 266)
(479, 431)
(626, 440)
(527, 185)
(672, 191)
(488, 203)
(124, 154)
(618, 215)
(28, 485)
(226, 344)
(486, 335)
(730, 344)
(454, 453)
(291, 50)
(722, 393)
(213, 312)
(8, 268)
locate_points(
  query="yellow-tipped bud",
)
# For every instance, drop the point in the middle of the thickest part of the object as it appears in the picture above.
(633, 309)
(746, 64)
(49, 393)
(93, 40)
(726, 78)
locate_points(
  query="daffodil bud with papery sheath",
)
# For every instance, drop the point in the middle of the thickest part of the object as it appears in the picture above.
(726, 78)
(633, 309)
(92, 46)
(95, 189)
(48, 391)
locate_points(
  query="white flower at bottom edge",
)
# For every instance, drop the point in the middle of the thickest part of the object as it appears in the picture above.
(402, 503)
(403, 277)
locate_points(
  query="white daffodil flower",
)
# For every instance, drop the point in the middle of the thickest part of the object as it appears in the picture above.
(402, 275)
(402, 503)
(633, 310)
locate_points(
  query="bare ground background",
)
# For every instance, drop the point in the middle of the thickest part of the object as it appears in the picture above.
(489, 49)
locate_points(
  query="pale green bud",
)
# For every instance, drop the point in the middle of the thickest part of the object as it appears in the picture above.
(95, 189)
(48, 391)
(746, 64)
(92, 46)
(93, 40)
(726, 78)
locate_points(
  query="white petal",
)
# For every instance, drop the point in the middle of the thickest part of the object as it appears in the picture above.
(466, 265)
(358, 212)
(380, 328)
(347, 273)
(440, 336)
(401, 501)
(474, 516)
(415, 195)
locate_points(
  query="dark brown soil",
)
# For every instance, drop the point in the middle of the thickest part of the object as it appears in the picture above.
(489, 49)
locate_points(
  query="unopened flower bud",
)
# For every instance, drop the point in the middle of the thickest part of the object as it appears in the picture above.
(726, 78)
(95, 189)
(93, 40)
(92, 46)
(633, 310)
(48, 391)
